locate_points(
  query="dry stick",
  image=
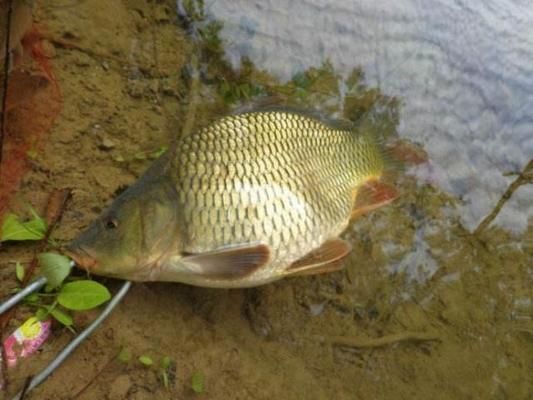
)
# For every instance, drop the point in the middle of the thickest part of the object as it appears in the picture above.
(25, 387)
(6, 78)
(526, 176)
(67, 44)
(54, 211)
(3, 360)
(193, 97)
(362, 342)
(94, 377)
(97, 55)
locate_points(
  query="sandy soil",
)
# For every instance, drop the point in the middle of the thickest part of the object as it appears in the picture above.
(122, 100)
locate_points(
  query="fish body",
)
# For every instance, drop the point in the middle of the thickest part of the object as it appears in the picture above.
(247, 200)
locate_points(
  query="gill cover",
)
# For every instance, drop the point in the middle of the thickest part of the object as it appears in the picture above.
(132, 234)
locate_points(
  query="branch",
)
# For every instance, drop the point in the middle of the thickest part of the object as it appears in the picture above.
(363, 342)
(526, 176)
(6, 77)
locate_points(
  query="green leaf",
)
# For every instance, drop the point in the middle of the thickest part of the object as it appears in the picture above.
(124, 355)
(19, 271)
(42, 314)
(61, 316)
(32, 298)
(164, 375)
(197, 382)
(159, 152)
(54, 267)
(146, 360)
(37, 220)
(14, 229)
(82, 295)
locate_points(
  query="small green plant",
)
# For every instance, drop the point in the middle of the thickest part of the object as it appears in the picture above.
(59, 298)
(146, 360)
(20, 272)
(124, 355)
(166, 363)
(142, 155)
(14, 228)
(197, 382)
(151, 155)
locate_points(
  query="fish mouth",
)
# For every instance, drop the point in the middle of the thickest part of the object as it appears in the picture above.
(81, 257)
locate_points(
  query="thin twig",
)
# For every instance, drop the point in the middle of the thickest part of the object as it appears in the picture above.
(54, 210)
(6, 78)
(3, 375)
(94, 377)
(363, 342)
(25, 387)
(68, 44)
(193, 96)
(526, 176)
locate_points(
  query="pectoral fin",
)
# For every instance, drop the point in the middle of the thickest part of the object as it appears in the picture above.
(372, 195)
(228, 263)
(327, 258)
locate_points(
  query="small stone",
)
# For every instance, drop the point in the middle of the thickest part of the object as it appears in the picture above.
(317, 308)
(107, 144)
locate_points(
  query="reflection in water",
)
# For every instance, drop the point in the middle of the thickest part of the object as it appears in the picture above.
(463, 73)
(418, 264)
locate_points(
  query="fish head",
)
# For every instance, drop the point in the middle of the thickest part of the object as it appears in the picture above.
(129, 238)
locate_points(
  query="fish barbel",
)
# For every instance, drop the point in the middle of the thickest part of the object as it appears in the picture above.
(249, 199)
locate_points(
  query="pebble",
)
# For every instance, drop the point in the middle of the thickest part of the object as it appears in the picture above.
(107, 143)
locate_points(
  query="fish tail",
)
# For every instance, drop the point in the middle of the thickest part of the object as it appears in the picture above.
(374, 158)
(375, 170)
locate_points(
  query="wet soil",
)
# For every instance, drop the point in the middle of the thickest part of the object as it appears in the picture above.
(453, 311)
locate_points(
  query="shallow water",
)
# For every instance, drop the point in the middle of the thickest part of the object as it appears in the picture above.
(424, 308)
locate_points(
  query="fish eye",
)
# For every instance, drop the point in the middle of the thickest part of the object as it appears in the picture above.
(111, 223)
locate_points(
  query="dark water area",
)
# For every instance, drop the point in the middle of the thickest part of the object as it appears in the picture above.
(435, 299)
